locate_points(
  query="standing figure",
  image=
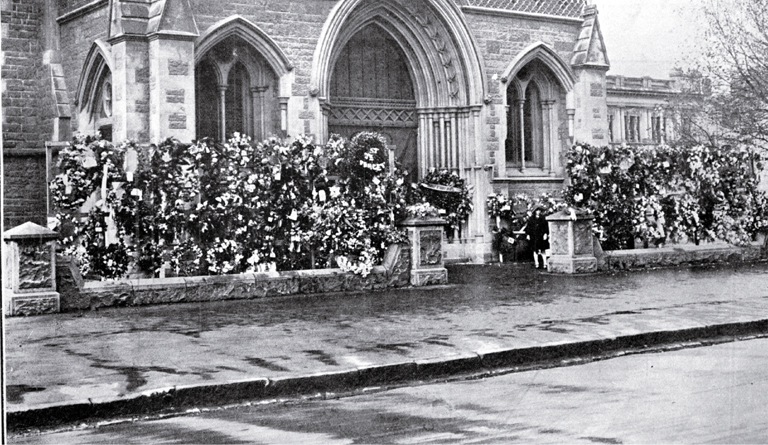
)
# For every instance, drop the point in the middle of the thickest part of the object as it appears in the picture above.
(654, 234)
(537, 232)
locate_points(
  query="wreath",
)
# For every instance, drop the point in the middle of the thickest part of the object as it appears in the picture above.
(449, 194)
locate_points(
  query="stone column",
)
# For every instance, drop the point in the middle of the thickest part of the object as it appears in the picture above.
(223, 113)
(426, 238)
(521, 116)
(570, 239)
(29, 271)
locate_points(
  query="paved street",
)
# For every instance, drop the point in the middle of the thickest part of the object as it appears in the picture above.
(190, 354)
(715, 394)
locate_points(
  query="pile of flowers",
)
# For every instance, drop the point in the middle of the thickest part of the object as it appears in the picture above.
(702, 193)
(454, 205)
(512, 213)
(211, 208)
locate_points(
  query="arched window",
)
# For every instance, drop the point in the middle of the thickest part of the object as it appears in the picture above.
(529, 143)
(236, 92)
(101, 112)
(237, 96)
(95, 93)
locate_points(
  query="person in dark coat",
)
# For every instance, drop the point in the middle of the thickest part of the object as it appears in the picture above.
(537, 233)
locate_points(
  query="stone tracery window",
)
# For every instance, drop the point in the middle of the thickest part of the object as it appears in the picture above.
(236, 91)
(530, 120)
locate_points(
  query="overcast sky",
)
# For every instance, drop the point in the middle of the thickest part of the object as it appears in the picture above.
(649, 37)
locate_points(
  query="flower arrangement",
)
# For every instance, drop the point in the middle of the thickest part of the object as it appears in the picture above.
(86, 193)
(454, 205)
(213, 208)
(499, 206)
(422, 210)
(701, 192)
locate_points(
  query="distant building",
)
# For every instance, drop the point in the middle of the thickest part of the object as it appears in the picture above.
(493, 90)
(638, 111)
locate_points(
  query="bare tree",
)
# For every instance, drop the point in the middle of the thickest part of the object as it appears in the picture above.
(735, 69)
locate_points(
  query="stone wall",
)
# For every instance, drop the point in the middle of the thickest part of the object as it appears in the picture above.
(79, 295)
(681, 255)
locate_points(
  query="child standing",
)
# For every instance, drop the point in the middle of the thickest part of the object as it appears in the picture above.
(537, 232)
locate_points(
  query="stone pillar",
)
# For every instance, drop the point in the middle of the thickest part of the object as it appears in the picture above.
(130, 88)
(29, 271)
(426, 238)
(570, 239)
(172, 87)
(590, 63)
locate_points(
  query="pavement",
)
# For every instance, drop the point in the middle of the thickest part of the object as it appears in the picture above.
(84, 367)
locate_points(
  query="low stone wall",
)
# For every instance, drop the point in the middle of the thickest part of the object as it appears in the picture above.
(78, 295)
(679, 256)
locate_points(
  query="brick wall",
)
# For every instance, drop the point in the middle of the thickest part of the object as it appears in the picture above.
(25, 199)
(76, 38)
(26, 107)
(66, 6)
(27, 112)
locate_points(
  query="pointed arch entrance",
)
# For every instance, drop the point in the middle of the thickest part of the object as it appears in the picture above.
(448, 82)
(438, 52)
(372, 89)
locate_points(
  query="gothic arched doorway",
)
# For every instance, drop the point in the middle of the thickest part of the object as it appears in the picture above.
(371, 89)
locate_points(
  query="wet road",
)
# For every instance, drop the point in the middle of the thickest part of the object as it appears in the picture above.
(716, 394)
(122, 352)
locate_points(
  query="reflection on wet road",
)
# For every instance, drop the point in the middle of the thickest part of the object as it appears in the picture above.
(716, 394)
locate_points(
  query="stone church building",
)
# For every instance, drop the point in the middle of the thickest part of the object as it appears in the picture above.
(493, 90)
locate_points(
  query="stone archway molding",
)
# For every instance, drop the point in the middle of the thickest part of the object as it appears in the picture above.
(542, 52)
(434, 36)
(237, 25)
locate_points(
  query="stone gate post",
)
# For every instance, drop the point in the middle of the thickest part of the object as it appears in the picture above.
(29, 270)
(426, 238)
(570, 238)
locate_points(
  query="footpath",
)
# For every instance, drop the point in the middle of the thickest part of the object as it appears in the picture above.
(122, 362)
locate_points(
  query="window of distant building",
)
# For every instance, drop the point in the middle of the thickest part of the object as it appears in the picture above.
(658, 129)
(610, 126)
(632, 128)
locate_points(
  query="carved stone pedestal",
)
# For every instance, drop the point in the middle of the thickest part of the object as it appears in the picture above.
(426, 237)
(570, 238)
(29, 271)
